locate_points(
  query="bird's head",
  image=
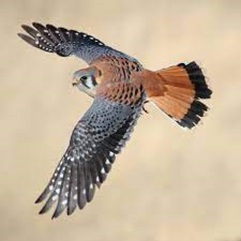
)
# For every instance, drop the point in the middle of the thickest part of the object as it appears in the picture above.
(85, 80)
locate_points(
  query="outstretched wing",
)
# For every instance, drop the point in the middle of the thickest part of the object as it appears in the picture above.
(95, 141)
(67, 42)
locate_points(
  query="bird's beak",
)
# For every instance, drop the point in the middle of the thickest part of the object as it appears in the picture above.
(75, 81)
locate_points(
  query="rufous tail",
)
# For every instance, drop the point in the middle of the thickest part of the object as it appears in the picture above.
(179, 92)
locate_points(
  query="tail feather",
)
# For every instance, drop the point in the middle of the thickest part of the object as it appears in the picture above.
(171, 107)
(184, 87)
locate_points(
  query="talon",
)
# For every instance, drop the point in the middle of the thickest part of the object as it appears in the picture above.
(143, 107)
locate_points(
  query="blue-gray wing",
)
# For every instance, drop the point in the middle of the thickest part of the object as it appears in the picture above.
(67, 42)
(95, 141)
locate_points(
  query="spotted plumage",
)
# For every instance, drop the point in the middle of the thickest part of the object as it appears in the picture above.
(120, 86)
(67, 42)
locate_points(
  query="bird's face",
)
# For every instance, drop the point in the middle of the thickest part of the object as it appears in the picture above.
(85, 81)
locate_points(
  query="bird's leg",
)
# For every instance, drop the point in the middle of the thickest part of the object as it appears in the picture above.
(143, 107)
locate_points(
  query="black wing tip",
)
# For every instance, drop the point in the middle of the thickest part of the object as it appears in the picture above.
(70, 210)
(36, 24)
(38, 200)
(43, 210)
(36, 37)
(56, 213)
(23, 36)
(46, 208)
(25, 26)
(28, 28)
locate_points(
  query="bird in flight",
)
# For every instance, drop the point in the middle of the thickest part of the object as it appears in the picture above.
(120, 86)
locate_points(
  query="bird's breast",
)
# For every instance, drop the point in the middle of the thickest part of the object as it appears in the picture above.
(128, 93)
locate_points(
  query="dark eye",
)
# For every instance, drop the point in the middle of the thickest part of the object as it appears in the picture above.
(84, 77)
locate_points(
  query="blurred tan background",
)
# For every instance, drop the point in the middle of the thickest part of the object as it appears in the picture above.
(168, 184)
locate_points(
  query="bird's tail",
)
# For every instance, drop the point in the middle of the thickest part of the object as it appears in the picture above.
(181, 89)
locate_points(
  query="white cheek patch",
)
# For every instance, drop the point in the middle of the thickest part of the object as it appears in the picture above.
(90, 82)
(88, 86)
(81, 87)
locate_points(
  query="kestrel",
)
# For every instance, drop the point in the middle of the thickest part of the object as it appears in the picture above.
(120, 86)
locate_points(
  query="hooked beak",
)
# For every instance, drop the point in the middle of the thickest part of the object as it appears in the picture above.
(75, 81)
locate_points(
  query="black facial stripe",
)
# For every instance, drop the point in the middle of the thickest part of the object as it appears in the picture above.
(94, 81)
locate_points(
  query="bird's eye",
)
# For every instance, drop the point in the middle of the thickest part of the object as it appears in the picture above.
(84, 77)
(88, 81)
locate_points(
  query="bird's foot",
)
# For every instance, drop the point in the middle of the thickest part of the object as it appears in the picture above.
(143, 107)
